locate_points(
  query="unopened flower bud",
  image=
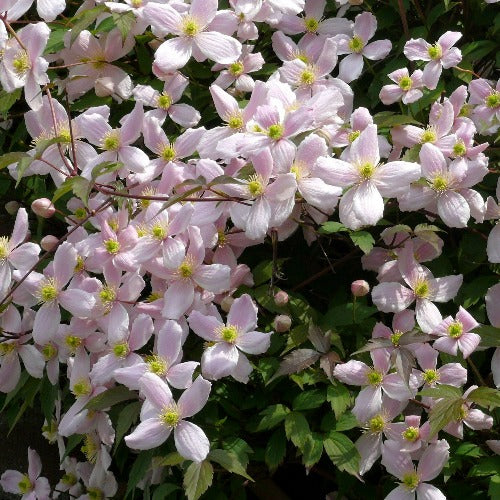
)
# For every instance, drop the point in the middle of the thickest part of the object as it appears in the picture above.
(360, 288)
(43, 207)
(226, 303)
(282, 323)
(281, 298)
(49, 242)
(11, 207)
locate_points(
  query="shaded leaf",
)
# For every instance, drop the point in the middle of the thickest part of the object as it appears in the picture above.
(197, 479)
(229, 461)
(110, 397)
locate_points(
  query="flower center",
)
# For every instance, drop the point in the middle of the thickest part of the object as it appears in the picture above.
(4, 247)
(439, 184)
(157, 364)
(301, 57)
(7, 348)
(95, 494)
(465, 110)
(113, 224)
(164, 101)
(431, 376)
(311, 24)
(275, 131)
(435, 51)
(455, 330)
(107, 295)
(154, 296)
(356, 44)
(405, 83)
(307, 77)
(493, 100)
(25, 485)
(353, 136)
(49, 351)
(111, 141)
(21, 63)
(72, 342)
(366, 171)
(80, 213)
(459, 149)
(411, 434)
(395, 338)
(170, 416)
(428, 135)
(190, 27)
(376, 424)
(82, 388)
(256, 185)
(297, 170)
(186, 269)
(422, 289)
(410, 481)
(69, 479)
(221, 238)
(48, 290)
(112, 246)
(236, 68)
(121, 350)
(235, 122)
(228, 333)
(168, 153)
(159, 231)
(90, 448)
(374, 377)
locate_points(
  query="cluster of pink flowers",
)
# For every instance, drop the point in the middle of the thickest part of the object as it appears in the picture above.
(122, 293)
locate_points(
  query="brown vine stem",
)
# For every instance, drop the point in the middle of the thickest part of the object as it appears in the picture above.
(73, 150)
(404, 21)
(100, 208)
(480, 379)
(467, 71)
(419, 403)
(11, 30)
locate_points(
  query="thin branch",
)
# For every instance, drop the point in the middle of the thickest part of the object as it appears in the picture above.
(404, 21)
(12, 31)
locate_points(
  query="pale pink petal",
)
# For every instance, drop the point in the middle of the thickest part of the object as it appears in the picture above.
(20, 227)
(353, 372)
(218, 47)
(204, 326)
(453, 209)
(10, 481)
(148, 434)
(377, 50)
(392, 297)
(428, 492)
(468, 322)
(194, 398)
(432, 460)
(350, 67)
(219, 360)
(417, 50)
(254, 342)
(365, 26)
(213, 278)
(368, 203)
(78, 302)
(431, 74)
(180, 376)
(365, 148)
(468, 343)
(173, 54)
(428, 315)
(46, 323)
(336, 172)
(64, 263)
(453, 374)
(156, 391)
(369, 447)
(177, 299)
(243, 314)
(191, 442)
(368, 403)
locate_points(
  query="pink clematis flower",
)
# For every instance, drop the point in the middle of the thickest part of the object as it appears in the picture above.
(456, 334)
(31, 486)
(374, 382)
(192, 36)
(162, 415)
(486, 114)
(14, 254)
(424, 289)
(368, 180)
(410, 435)
(26, 68)
(440, 55)
(49, 290)
(231, 340)
(407, 88)
(399, 464)
(351, 66)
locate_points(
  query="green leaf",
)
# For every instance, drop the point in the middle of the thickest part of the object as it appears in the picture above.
(339, 397)
(139, 469)
(388, 119)
(55, 42)
(413, 154)
(7, 100)
(262, 272)
(29, 392)
(297, 429)
(490, 336)
(488, 466)
(271, 417)
(48, 396)
(363, 240)
(342, 452)
(485, 396)
(443, 412)
(308, 400)
(22, 166)
(331, 227)
(10, 158)
(12, 394)
(110, 397)
(73, 441)
(173, 458)
(312, 449)
(197, 479)
(164, 491)
(275, 449)
(469, 450)
(494, 487)
(442, 391)
(84, 19)
(124, 22)
(81, 188)
(106, 167)
(229, 461)
(126, 419)
(346, 422)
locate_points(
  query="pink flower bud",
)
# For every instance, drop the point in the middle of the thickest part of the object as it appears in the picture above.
(43, 207)
(49, 242)
(282, 323)
(281, 298)
(360, 288)
(11, 207)
(226, 303)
